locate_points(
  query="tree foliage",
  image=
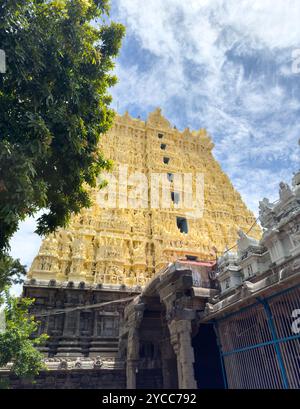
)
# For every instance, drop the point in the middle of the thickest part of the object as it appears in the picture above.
(54, 104)
(17, 345)
(11, 271)
(17, 342)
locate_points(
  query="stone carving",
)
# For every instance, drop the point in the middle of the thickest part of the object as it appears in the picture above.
(78, 248)
(126, 245)
(138, 252)
(49, 246)
(156, 120)
(98, 363)
(63, 364)
(296, 180)
(245, 241)
(295, 234)
(285, 192)
(78, 363)
(266, 213)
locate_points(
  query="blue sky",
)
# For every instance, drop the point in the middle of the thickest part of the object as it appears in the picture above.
(225, 65)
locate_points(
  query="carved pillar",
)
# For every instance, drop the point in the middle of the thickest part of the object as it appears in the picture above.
(166, 371)
(95, 323)
(132, 358)
(180, 331)
(134, 316)
(131, 371)
(168, 359)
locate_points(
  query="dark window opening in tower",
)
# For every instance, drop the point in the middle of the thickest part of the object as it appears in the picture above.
(170, 177)
(175, 197)
(191, 257)
(160, 135)
(182, 224)
(166, 160)
(163, 146)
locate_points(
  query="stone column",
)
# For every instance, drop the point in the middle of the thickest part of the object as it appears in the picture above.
(78, 324)
(133, 316)
(131, 370)
(95, 323)
(132, 358)
(167, 356)
(166, 374)
(180, 331)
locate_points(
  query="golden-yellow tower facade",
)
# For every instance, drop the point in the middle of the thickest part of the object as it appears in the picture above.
(126, 244)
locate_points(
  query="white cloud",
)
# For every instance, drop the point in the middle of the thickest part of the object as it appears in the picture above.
(25, 245)
(273, 22)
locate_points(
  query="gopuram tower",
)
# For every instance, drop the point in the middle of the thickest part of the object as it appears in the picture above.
(127, 244)
(167, 199)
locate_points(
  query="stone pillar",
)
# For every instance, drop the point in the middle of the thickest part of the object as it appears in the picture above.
(78, 324)
(180, 331)
(166, 374)
(131, 370)
(133, 317)
(95, 323)
(132, 358)
(167, 358)
(187, 357)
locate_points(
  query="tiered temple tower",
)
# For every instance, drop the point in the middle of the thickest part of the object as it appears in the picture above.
(125, 245)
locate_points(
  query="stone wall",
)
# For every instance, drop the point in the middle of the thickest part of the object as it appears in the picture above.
(81, 322)
(97, 379)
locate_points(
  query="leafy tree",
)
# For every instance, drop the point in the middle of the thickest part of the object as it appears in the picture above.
(11, 271)
(17, 344)
(54, 104)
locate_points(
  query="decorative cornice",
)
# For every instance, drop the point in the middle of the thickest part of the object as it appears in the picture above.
(77, 363)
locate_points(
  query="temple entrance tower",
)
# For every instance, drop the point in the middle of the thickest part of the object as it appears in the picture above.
(130, 233)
